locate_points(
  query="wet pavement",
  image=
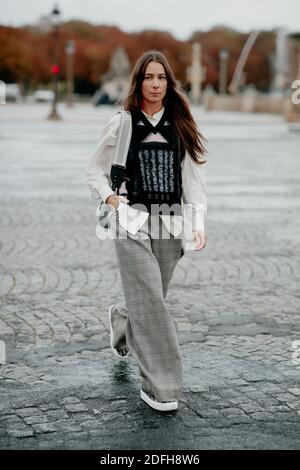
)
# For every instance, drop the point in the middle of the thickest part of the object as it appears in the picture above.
(235, 304)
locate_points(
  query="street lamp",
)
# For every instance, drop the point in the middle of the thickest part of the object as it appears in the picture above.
(196, 73)
(223, 56)
(70, 51)
(55, 21)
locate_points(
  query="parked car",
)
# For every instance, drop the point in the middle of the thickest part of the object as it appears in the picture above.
(43, 96)
(13, 92)
(101, 97)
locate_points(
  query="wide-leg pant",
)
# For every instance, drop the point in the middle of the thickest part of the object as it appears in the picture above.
(145, 324)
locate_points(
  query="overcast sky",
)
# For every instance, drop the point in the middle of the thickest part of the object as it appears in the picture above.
(180, 18)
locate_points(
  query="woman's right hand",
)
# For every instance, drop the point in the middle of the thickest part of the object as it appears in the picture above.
(113, 200)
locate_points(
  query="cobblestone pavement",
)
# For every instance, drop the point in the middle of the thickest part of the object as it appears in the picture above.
(235, 304)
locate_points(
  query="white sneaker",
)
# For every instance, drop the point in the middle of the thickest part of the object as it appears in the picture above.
(114, 350)
(158, 405)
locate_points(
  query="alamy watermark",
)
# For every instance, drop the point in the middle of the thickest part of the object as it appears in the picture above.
(296, 94)
(181, 219)
(296, 352)
(2, 92)
(2, 352)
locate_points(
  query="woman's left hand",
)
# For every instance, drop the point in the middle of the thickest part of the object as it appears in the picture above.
(200, 240)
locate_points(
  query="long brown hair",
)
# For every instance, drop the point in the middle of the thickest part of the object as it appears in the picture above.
(175, 99)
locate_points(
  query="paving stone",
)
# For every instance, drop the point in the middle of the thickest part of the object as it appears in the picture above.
(54, 415)
(35, 419)
(20, 433)
(49, 406)
(67, 425)
(68, 400)
(28, 412)
(294, 391)
(232, 412)
(76, 408)
(284, 397)
(251, 407)
(44, 427)
(263, 416)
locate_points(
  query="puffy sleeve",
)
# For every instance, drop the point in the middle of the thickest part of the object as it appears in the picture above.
(194, 189)
(99, 163)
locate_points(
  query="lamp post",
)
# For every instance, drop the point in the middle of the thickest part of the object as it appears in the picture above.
(70, 51)
(55, 21)
(196, 73)
(223, 57)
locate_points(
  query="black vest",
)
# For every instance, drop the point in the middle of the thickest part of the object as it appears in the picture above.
(153, 169)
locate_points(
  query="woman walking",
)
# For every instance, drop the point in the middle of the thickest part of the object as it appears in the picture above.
(164, 170)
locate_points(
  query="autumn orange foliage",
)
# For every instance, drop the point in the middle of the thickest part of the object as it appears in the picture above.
(26, 54)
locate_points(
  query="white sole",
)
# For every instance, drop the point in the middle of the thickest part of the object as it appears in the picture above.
(158, 405)
(114, 350)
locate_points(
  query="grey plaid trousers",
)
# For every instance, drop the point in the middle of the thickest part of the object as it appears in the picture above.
(144, 324)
